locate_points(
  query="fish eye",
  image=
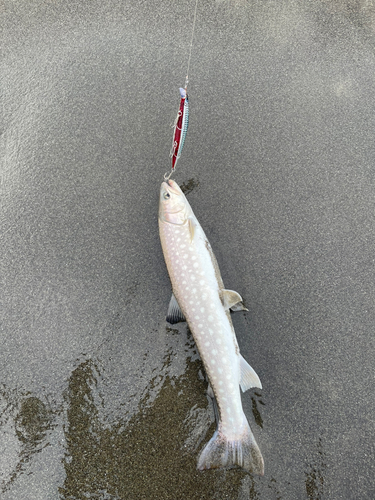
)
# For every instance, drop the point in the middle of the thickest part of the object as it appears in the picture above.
(166, 196)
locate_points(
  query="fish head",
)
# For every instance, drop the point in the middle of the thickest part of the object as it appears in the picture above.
(173, 205)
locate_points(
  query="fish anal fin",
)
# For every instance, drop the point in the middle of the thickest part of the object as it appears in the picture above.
(249, 378)
(238, 307)
(174, 314)
(232, 300)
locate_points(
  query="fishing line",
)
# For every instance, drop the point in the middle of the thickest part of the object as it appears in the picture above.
(191, 44)
(181, 123)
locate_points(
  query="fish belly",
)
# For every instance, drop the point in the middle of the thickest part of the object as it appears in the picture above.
(196, 289)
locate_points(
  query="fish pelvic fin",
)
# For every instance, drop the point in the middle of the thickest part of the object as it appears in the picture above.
(222, 452)
(174, 314)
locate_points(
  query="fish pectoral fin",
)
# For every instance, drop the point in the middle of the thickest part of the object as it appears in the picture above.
(232, 300)
(192, 227)
(174, 314)
(248, 376)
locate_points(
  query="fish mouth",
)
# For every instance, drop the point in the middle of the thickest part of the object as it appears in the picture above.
(172, 187)
(171, 210)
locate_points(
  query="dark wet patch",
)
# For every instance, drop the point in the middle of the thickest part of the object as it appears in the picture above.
(172, 331)
(274, 490)
(188, 186)
(32, 421)
(257, 416)
(315, 475)
(148, 457)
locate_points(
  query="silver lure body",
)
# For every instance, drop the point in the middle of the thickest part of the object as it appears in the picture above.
(200, 297)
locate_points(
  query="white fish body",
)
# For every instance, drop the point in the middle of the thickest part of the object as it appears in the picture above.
(199, 296)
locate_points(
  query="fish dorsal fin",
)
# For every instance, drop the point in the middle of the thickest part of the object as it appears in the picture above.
(174, 314)
(248, 376)
(192, 227)
(232, 300)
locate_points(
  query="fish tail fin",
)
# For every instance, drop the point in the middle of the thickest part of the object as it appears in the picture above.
(221, 452)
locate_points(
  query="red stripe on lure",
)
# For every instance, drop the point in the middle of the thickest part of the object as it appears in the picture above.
(180, 128)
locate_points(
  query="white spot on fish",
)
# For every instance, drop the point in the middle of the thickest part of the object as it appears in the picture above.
(210, 318)
(182, 246)
(211, 331)
(195, 264)
(220, 370)
(218, 340)
(201, 282)
(204, 296)
(194, 290)
(214, 352)
(228, 409)
(193, 257)
(202, 309)
(200, 325)
(207, 343)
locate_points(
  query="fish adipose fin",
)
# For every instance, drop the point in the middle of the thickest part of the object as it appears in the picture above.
(174, 314)
(223, 452)
(232, 300)
(248, 376)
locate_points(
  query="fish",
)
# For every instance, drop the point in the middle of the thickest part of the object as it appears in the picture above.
(199, 297)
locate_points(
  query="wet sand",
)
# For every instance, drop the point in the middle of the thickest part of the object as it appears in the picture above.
(99, 397)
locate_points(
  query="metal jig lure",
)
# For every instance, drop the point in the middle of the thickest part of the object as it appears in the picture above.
(180, 128)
